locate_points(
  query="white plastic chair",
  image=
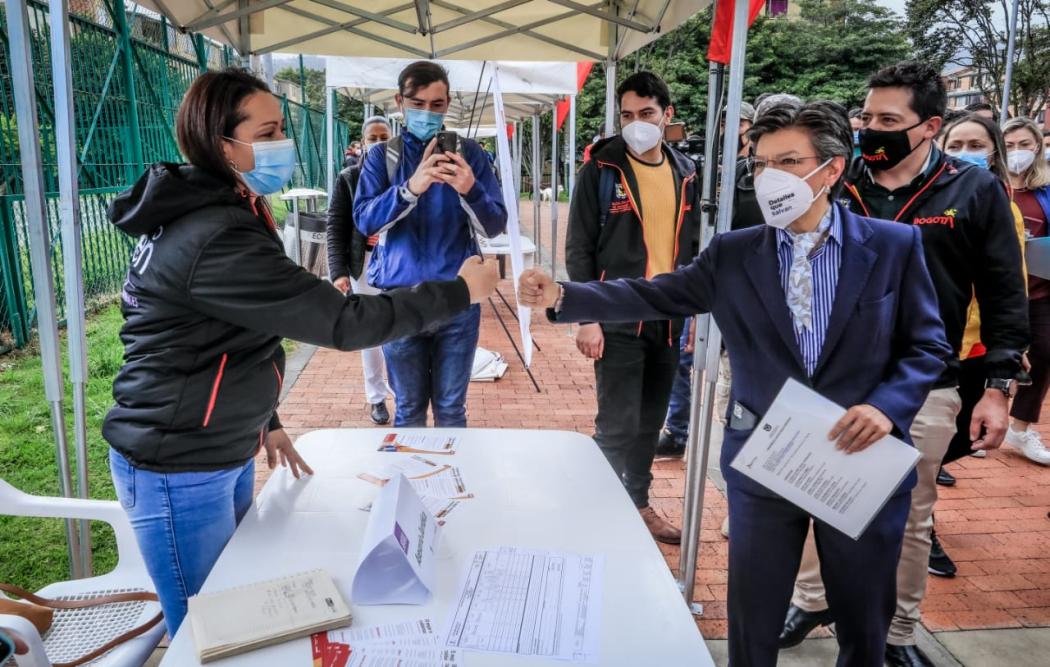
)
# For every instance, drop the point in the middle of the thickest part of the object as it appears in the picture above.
(77, 632)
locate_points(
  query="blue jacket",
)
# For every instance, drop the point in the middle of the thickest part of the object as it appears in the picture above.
(885, 343)
(431, 238)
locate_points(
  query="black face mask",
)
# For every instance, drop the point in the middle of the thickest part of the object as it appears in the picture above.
(882, 149)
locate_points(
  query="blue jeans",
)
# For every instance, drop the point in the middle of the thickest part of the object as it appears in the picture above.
(182, 521)
(433, 368)
(677, 421)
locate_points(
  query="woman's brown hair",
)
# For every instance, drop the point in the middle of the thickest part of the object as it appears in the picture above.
(210, 111)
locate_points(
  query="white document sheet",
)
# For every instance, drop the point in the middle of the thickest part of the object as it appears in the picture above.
(412, 467)
(446, 484)
(535, 603)
(789, 453)
(418, 444)
(397, 552)
(405, 644)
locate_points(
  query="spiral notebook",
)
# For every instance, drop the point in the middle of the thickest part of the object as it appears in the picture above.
(262, 614)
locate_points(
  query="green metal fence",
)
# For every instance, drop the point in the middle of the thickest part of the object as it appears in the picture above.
(130, 71)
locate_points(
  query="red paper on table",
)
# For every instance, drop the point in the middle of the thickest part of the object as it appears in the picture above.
(337, 655)
(319, 645)
(721, 46)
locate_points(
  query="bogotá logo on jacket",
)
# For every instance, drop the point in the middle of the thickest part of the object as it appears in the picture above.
(878, 156)
(947, 218)
(620, 203)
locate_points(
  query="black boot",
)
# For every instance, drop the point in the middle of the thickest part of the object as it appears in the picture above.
(941, 564)
(800, 623)
(945, 478)
(906, 656)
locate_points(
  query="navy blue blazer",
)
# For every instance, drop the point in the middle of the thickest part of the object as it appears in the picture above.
(885, 343)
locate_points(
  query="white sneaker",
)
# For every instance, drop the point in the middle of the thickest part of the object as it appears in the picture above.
(979, 453)
(1029, 444)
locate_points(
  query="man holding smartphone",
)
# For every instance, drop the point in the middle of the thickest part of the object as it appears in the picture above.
(427, 207)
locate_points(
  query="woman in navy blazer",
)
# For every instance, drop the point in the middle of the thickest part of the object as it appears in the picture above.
(883, 347)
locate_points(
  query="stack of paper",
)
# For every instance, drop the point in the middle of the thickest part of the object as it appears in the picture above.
(251, 617)
(440, 486)
(409, 644)
(489, 366)
(531, 603)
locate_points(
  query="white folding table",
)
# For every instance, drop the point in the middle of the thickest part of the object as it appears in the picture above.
(533, 489)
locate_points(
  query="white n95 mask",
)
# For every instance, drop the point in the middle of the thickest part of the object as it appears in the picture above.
(784, 197)
(642, 136)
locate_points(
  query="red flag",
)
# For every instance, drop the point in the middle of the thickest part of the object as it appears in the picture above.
(583, 70)
(721, 45)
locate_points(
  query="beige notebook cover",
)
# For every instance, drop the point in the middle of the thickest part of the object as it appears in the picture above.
(250, 617)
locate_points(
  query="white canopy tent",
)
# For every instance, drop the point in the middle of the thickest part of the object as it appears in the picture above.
(511, 30)
(529, 88)
(566, 30)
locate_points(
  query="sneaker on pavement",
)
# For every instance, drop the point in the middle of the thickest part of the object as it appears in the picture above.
(1028, 443)
(979, 453)
(658, 527)
(669, 447)
(725, 527)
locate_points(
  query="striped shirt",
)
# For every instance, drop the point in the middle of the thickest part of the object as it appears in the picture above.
(826, 262)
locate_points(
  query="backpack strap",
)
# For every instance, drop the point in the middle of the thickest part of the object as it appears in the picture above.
(606, 189)
(393, 158)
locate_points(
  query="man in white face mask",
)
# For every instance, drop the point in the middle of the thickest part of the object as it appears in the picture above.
(839, 302)
(634, 214)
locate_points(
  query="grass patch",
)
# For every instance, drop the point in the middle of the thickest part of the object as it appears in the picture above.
(33, 551)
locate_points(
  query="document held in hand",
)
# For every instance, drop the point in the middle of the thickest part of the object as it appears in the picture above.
(397, 553)
(790, 454)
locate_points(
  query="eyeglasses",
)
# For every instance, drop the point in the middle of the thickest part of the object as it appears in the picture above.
(756, 164)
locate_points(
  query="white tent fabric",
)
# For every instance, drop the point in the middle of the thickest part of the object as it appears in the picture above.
(528, 87)
(462, 29)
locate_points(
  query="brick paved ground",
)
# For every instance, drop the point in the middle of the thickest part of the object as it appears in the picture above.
(993, 523)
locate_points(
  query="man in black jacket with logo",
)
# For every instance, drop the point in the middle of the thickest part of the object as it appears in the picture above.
(971, 249)
(635, 214)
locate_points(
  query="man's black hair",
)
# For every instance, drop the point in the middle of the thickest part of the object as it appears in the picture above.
(928, 95)
(420, 74)
(978, 106)
(645, 84)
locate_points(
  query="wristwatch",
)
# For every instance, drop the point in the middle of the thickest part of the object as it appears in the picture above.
(1002, 384)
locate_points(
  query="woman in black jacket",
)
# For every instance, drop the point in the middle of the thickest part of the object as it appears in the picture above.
(208, 297)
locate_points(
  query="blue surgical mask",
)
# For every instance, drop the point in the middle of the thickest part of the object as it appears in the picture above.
(275, 162)
(973, 157)
(423, 124)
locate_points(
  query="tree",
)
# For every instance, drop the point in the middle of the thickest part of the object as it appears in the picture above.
(828, 52)
(351, 111)
(974, 33)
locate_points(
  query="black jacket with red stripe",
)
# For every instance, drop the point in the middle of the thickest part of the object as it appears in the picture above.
(970, 242)
(208, 297)
(594, 251)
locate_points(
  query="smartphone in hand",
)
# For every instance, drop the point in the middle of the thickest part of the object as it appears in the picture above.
(447, 142)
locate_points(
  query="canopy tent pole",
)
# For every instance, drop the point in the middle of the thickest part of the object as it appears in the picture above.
(267, 68)
(40, 251)
(537, 182)
(517, 158)
(329, 123)
(610, 98)
(72, 257)
(554, 190)
(1004, 108)
(699, 441)
(571, 161)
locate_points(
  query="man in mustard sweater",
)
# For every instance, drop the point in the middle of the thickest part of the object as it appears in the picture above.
(635, 213)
